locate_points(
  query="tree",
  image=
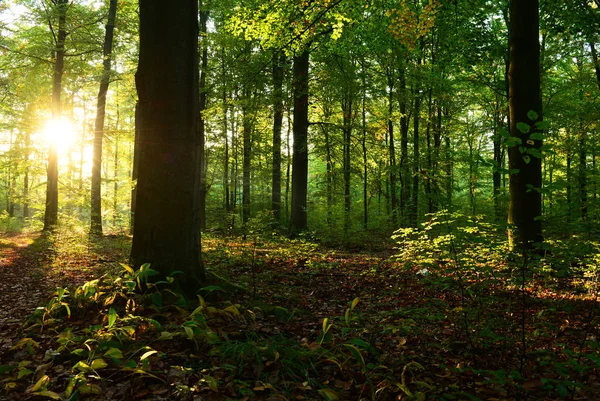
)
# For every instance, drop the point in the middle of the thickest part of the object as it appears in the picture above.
(166, 229)
(51, 212)
(525, 202)
(96, 204)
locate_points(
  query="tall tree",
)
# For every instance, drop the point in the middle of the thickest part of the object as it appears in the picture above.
(60, 35)
(166, 229)
(278, 75)
(525, 202)
(298, 221)
(96, 204)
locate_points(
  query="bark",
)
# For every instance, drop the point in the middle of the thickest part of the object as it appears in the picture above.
(298, 220)
(51, 212)
(96, 190)
(404, 168)
(414, 205)
(277, 128)
(347, 110)
(364, 149)
(247, 143)
(202, 106)
(392, 153)
(167, 223)
(525, 208)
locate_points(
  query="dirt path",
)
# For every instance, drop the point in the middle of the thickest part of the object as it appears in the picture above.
(23, 283)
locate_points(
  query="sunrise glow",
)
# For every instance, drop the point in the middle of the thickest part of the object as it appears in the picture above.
(60, 133)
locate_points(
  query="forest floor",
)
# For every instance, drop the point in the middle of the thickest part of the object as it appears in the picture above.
(301, 322)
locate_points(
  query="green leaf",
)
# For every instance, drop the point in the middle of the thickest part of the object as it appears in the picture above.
(24, 372)
(6, 369)
(526, 159)
(147, 354)
(532, 115)
(329, 394)
(41, 383)
(524, 128)
(356, 353)
(114, 353)
(48, 394)
(99, 363)
(127, 269)
(354, 303)
(537, 136)
(189, 332)
(82, 366)
(112, 317)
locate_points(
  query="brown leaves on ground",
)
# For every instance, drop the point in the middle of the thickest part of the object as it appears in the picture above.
(322, 323)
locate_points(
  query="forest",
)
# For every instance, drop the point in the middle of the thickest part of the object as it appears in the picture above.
(299, 200)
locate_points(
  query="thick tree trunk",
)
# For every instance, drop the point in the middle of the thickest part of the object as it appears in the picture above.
(525, 208)
(51, 212)
(167, 223)
(277, 125)
(298, 220)
(96, 203)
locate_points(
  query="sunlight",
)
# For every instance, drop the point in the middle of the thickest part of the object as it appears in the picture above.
(59, 133)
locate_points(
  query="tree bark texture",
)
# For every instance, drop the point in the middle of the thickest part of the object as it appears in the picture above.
(96, 202)
(298, 220)
(525, 201)
(51, 212)
(167, 223)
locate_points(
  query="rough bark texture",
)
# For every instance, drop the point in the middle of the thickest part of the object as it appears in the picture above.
(298, 221)
(96, 204)
(167, 222)
(51, 212)
(525, 208)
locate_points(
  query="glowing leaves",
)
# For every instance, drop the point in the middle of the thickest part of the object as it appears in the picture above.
(406, 26)
(338, 25)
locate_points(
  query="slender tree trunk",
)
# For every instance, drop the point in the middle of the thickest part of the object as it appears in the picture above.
(347, 110)
(568, 188)
(246, 163)
(583, 174)
(116, 180)
(96, 203)
(136, 166)
(298, 221)
(392, 153)
(364, 149)
(202, 106)
(27, 145)
(288, 166)
(51, 212)
(498, 153)
(277, 128)
(414, 213)
(226, 183)
(429, 152)
(404, 168)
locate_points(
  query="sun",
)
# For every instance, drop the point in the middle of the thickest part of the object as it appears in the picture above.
(59, 133)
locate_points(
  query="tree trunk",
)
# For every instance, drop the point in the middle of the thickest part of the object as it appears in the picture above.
(298, 220)
(27, 145)
(583, 174)
(404, 168)
(51, 212)
(167, 223)
(347, 132)
(364, 149)
(96, 203)
(247, 142)
(525, 208)
(201, 107)
(414, 206)
(277, 125)
(392, 153)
